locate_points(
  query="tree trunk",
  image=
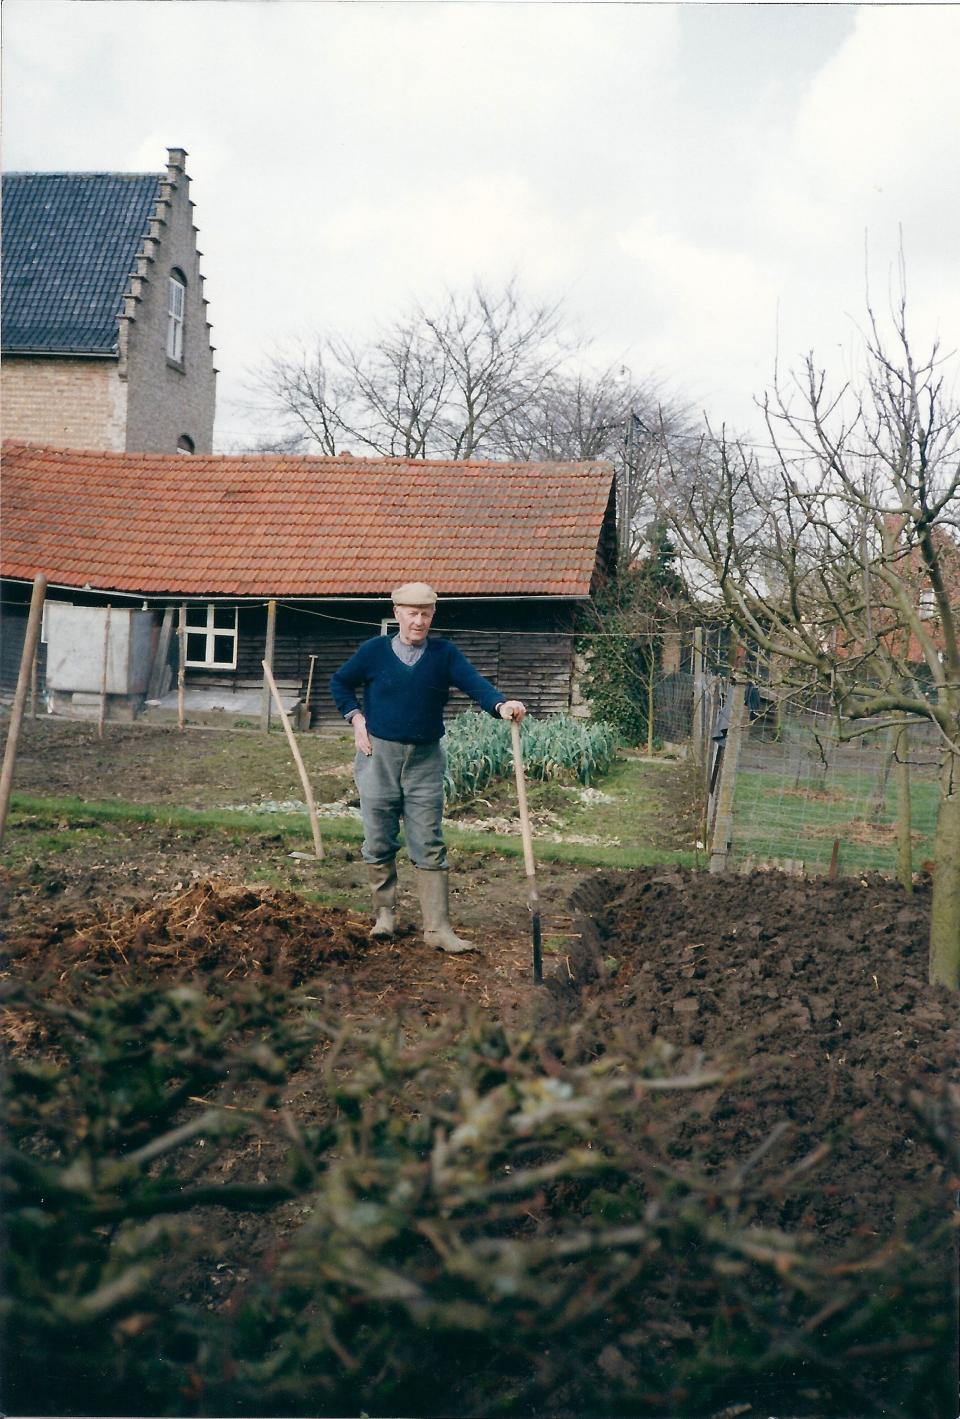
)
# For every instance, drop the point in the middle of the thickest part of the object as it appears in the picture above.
(904, 816)
(945, 914)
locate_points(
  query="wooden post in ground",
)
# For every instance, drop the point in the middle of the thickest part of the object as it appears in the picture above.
(834, 859)
(104, 675)
(268, 664)
(271, 685)
(723, 821)
(182, 668)
(30, 639)
(698, 694)
(156, 687)
(904, 813)
(305, 707)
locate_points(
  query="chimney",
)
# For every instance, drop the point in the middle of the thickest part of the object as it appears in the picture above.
(176, 162)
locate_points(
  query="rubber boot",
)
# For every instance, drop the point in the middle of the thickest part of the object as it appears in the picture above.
(434, 891)
(383, 884)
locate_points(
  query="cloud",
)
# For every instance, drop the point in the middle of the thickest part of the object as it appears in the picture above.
(686, 177)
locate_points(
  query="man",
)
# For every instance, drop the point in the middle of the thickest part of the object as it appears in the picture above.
(406, 680)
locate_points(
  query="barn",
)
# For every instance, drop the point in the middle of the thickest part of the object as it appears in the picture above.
(292, 559)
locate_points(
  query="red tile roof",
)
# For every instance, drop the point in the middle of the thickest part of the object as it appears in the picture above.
(263, 525)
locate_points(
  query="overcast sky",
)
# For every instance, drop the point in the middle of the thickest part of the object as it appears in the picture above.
(698, 183)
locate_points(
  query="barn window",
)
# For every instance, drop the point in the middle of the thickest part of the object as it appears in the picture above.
(212, 637)
(176, 306)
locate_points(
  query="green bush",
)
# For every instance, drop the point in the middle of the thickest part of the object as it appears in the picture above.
(623, 645)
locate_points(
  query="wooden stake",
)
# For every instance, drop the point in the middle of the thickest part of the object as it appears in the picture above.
(699, 690)
(307, 790)
(103, 674)
(31, 636)
(533, 897)
(158, 671)
(305, 707)
(723, 818)
(834, 858)
(268, 664)
(182, 668)
(904, 814)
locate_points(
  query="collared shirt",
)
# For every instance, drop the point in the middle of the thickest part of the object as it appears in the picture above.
(409, 654)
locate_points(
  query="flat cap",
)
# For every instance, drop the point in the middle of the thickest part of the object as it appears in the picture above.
(414, 593)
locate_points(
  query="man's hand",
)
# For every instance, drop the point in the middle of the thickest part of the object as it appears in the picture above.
(360, 736)
(511, 709)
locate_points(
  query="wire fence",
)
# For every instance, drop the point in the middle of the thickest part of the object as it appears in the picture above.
(802, 794)
(808, 798)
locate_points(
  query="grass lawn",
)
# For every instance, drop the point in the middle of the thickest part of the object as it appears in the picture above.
(775, 820)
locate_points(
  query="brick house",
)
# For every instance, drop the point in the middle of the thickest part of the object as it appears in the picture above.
(513, 549)
(106, 342)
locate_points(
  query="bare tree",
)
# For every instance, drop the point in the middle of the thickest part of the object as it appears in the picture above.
(486, 375)
(841, 560)
(441, 384)
(581, 414)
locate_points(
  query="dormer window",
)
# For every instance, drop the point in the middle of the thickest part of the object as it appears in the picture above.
(176, 305)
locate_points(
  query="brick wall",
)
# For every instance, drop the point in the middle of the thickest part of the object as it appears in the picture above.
(71, 403)
(167, 401)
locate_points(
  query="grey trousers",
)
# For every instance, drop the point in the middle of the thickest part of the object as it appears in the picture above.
(402, 781)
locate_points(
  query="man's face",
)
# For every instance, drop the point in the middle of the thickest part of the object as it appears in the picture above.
(414, 623)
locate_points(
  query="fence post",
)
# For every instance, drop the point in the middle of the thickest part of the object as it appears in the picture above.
(723, 821)
(904, 807)
(698, 693)
(182, 668)
(104, 675)
(30, 639)
(268, 663)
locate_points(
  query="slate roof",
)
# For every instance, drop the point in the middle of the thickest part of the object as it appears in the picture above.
(70, 242)
(262, 525)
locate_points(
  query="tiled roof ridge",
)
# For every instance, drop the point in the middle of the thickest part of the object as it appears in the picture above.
(71, 172)
(293, 459)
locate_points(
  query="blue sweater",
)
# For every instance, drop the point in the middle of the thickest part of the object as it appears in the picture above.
(405, 702)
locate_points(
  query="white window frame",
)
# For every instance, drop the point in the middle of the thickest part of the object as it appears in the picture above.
(389, 626)
(928, 604)
(176, 310)
(207, 629)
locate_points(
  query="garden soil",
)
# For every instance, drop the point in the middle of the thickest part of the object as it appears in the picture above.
(814, 990)
(813, 993)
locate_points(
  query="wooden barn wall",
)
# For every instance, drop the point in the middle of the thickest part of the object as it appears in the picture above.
(525, 648)
(521, 649)
(14, 609)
